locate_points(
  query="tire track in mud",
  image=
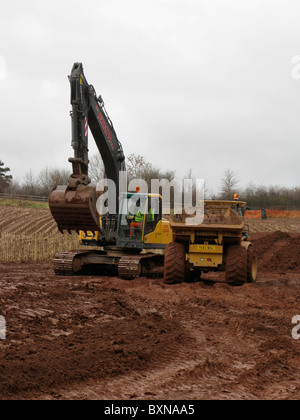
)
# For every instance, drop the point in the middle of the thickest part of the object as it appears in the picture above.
(150, 384)
(181, 371)
(243, 340)
(175, 375)
(194, 371)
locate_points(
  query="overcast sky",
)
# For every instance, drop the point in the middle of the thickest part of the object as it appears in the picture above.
(190, 84)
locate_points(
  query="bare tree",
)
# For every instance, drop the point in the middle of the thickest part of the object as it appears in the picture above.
(43, 183)
(96, 169)
(30, 184)
(229, 184)
(138, 167)
(49, 178)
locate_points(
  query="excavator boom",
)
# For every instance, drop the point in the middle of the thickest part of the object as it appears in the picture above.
(73, 206)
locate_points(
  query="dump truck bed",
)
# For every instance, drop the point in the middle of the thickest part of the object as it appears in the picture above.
(217, 216)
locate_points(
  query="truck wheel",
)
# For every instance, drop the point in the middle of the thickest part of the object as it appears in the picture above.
(252, 265)
(236, 265)
(174, 267)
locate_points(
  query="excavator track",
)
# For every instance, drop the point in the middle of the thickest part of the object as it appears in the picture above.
(65, 263)
(130, 267)
(134, 266)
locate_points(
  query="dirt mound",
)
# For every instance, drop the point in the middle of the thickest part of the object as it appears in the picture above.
(278, 252)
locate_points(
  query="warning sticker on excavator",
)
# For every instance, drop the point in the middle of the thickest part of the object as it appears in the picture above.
(105, 128)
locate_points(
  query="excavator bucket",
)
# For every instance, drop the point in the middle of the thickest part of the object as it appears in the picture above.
(75, 210)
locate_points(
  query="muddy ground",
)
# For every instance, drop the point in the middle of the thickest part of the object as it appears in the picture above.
(104, 338)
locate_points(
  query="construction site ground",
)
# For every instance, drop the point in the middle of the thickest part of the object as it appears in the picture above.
(99, 337)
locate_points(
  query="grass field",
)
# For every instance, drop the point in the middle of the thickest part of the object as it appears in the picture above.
(22, 203)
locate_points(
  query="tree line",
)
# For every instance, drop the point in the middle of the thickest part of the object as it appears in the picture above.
(41, 184)
(257, 197)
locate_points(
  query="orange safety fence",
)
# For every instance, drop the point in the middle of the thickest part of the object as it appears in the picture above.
(282, 213)
(253, 214)
(272, 214)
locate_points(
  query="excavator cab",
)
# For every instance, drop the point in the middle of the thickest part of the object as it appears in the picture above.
(140, 225)
(139, 216)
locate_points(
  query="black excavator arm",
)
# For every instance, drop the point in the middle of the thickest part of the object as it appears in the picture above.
(88, 111)
(74, 206)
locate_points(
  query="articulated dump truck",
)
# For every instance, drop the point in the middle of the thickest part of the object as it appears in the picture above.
(220, 243)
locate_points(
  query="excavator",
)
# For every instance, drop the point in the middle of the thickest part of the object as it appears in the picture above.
(130, 239)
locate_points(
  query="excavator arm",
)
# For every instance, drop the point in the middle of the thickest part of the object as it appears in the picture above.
(74, 206)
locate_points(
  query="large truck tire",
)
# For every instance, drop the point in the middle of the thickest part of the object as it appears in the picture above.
(252, 265)
(174, 267)
(236, 265)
